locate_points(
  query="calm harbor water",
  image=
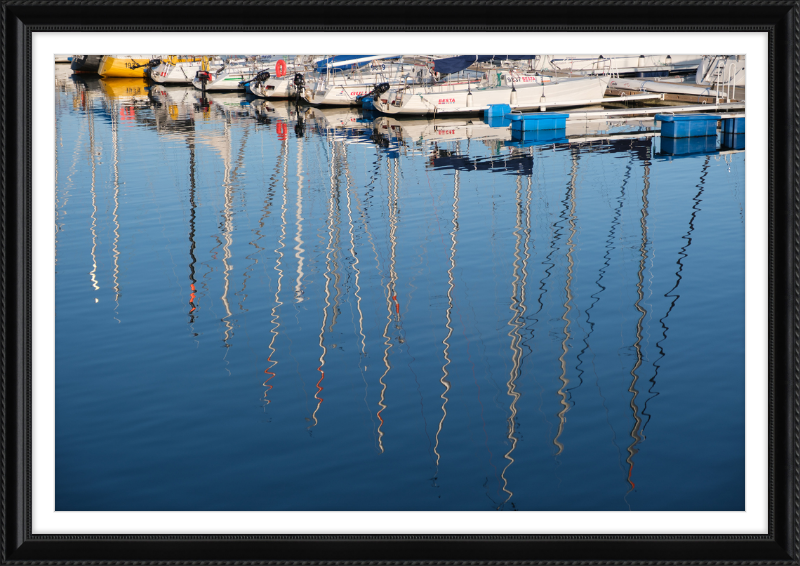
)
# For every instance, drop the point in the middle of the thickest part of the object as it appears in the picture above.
(265, 309)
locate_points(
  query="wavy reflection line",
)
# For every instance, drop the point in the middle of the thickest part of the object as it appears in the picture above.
(363, 358)
(73, 167)
(448, 316)
(635, 436)
(115, 243)
(683, 254)
(93, 272)
(337, 246)
(448, 324)
(58, 203)
(354, 256)
(322, 346)
(228, 185)
(227, 236)
(391, 296)
(298, 287)
(362, 210)
(517, 308)
(610, 239)
(562, 415)
(192, 229)
(533, 318)
(274, 315)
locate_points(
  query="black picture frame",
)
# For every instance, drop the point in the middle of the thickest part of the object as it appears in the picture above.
(781, 19)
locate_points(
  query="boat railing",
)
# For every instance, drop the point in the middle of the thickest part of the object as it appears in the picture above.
(731, 70)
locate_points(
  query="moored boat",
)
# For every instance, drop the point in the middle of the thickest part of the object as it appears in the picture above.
(178, 69)
(474, 97)
(622, 65)
(85, 63)
(124, 66)
(228, 77)
(723, 70)
(346, 87)
(277, 80)
(664, 86)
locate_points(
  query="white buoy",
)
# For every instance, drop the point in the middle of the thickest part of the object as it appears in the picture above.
(543, 102)
(513, 97)
(469, 100)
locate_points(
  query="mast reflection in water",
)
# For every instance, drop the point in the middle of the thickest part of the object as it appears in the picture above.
(265, 307)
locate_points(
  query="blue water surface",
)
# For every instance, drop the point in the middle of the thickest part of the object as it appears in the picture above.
(260, 307)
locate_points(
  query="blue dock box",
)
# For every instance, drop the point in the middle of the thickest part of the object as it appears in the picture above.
(496, 110)
(686, 146)
(732, 125)
(538, 121)
(687, 125)
(498, 121)
(533, 138)
(732, 141)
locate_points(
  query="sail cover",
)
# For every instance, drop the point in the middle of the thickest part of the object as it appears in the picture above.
(339, 61)
(461, 62)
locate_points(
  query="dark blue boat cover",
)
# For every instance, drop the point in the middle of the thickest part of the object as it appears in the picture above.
(461, 62)
(341, 61)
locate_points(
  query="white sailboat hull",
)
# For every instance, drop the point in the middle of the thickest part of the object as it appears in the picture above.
(592, 64)
(668, 87)
(227, 80)
(344, 90)
(180, 73)
(441, 99)
(274, 87)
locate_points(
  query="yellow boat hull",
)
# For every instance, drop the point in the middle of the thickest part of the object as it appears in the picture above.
(124, 66)
(124, 88)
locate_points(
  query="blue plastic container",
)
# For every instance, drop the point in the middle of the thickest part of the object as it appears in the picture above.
(733, 125)
(732, 141)
(538, 121)
(496, 110)
(497, 121)
(541, 137)
(685, 146)
(367, 103)
(687, 125)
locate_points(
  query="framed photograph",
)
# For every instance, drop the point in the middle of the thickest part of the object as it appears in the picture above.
(266, 302)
